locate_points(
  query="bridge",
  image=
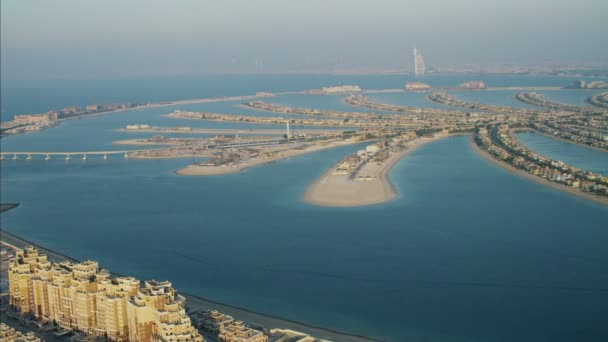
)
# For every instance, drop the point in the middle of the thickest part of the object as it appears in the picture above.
(65, 155)
(84, 155)
(127, 153)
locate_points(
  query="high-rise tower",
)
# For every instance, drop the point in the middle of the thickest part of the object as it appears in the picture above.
(418, 63)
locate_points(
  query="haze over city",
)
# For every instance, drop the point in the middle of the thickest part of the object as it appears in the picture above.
(82, 40)
(303, 171)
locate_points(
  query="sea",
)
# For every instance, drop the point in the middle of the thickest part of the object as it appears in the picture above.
(466, 252)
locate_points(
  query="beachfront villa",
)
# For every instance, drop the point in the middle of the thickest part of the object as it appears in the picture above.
(226, 328)
(238, 332)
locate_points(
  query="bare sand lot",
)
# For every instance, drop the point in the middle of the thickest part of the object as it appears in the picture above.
(371, 186)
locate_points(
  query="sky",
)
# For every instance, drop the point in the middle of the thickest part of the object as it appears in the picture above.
(75, 39)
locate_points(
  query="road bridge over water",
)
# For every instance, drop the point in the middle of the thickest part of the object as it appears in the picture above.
(84, 155)
(66, 155)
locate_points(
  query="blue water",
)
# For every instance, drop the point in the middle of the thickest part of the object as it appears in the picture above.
(575, 155)
(326, 102)
(494, 97)
(97, 133)
(451, 259)
(415, 99)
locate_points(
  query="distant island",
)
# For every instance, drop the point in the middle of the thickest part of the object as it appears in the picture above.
(359, 179)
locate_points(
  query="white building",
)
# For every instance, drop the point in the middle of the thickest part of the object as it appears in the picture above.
(419, 67)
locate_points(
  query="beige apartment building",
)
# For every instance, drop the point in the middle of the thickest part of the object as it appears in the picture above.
(81, 296)
(36, 118)
(238, 332)
(226, 328)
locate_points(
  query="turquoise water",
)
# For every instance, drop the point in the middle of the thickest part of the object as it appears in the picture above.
(467, 252)
(578, 156)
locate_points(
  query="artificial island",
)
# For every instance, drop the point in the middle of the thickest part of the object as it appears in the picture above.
(62, 298)
(388, 132)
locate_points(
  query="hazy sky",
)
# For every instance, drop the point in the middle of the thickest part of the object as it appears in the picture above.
(92, 39)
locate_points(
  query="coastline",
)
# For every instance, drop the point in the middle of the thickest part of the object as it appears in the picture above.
(200, 170)
(339, 191)
(543, 181)
(156, 105)
(195, 302)
(211, 131)
(167, 104)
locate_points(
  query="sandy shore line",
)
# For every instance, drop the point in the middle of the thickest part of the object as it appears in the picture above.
(524, 174)
(201, 170)
(140, 142)
(174, 156)
(215, 131)
(200, 303)
(331, 190)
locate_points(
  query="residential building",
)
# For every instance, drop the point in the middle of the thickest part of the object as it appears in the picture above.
(9, 334)
(35, 118)
(81, 296)
(238, 332)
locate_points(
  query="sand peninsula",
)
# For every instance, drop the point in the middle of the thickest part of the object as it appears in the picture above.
(267, 154)
(370, 185)
(219, 131)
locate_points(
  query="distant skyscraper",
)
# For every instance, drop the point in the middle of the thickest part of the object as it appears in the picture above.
(418, 63)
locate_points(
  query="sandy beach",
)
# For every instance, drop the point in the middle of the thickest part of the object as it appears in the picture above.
(282, 153)
(341, 191)
(522, 173)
